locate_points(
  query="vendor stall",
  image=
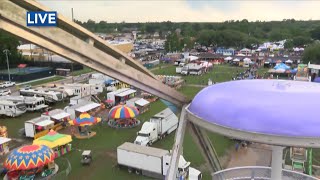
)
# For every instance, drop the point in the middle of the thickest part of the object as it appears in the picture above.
(60, 143)
(141, 104)
(29, 161)
(123, 116)
(4, 148)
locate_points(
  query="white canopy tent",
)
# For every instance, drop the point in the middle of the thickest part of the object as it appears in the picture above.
(289, 61)
(228, 58)
(236, 60)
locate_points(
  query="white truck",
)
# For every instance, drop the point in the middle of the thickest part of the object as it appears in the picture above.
(7, 84)
(158, 127)
(153, 162)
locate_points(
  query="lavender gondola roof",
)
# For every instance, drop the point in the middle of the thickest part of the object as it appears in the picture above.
(274, 107)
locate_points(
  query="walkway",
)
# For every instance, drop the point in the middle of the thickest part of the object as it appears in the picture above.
(254, 155)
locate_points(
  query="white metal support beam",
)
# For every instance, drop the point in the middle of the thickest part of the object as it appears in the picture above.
(177, 147)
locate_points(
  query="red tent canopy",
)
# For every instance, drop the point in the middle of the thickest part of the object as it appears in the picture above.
(22, 65)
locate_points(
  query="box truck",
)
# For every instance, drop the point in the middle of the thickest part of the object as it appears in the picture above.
(152, 162)
(158, 127)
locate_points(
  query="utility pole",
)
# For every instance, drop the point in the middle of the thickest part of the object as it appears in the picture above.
(6, 51)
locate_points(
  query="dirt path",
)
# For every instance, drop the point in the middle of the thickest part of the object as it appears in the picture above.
(254, 155)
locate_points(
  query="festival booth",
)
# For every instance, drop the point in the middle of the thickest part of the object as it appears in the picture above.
(4, 145)
(123, 116)
(141, 104)
(58, 116)
(38, 127)
(236, 62)
(60, 143)
(30, 162)
(83, 123)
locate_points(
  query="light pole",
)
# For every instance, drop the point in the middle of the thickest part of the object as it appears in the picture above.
(6, 51)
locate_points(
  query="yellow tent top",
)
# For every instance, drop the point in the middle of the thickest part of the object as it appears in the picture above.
(53, 139)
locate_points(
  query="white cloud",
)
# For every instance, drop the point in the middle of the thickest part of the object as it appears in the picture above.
(181, 11)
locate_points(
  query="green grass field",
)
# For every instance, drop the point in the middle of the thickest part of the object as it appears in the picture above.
(220, 73)
(85, 70)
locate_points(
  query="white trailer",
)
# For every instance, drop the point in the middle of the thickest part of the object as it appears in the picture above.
(32, 103)
(158, 127)
(49, 96)
(152, 162)
(12, 109)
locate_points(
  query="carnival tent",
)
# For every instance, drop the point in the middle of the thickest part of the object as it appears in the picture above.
(281, 66)
(228, 58)
(289, 61)
(53, 139)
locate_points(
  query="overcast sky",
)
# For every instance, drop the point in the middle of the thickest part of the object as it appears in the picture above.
(185, 10)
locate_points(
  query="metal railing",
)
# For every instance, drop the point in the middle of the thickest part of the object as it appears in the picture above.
(64, 170)
(257, 173)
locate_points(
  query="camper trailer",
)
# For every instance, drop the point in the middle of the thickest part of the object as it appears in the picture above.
(32, 103)
(83, 90)
(12, 109)
(65, 91)
(49, 96)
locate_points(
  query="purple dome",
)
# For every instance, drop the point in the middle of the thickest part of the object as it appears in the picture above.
(272, 107)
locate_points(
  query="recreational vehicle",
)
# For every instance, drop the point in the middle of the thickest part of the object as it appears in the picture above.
(49, 96)
(12, 109)
(32, 103)
(83, 90)
(65, 91)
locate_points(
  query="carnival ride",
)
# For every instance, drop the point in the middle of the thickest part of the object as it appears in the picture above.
(123, 116)
(30, 161)
(83, 123)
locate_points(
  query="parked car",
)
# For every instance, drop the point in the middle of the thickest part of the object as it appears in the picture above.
(5, 92)
(7, 84)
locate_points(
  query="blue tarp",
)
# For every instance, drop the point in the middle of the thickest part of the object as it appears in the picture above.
(317, 80)
(171, 106)
(281, 66)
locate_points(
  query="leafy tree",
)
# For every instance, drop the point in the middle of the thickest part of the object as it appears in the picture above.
(300, 41)
(312, 54)
(315, 33)
(289, 44)
(10, 42)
